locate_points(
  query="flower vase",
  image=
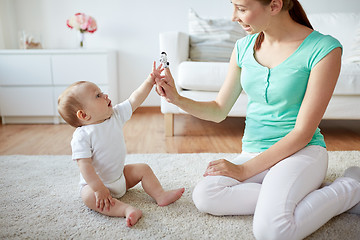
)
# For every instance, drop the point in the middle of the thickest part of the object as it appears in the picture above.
(81, 39)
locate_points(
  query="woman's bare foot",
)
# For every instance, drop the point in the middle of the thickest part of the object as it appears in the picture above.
(170, 196)
(132, 216)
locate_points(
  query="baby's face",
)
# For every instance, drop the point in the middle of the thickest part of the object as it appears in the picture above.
(97, 105)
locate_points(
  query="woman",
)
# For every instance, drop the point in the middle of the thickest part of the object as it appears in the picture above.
(289, 72)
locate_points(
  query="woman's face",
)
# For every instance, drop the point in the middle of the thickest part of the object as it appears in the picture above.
(251, 15)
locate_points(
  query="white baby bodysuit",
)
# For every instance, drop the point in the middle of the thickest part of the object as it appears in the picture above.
(104, 143)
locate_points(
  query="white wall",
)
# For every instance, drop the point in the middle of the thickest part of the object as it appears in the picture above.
(130, 27)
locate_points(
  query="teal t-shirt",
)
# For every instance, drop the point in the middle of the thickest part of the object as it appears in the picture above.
(275, 95)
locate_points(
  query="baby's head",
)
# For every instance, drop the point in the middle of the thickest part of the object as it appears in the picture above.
(83, 103)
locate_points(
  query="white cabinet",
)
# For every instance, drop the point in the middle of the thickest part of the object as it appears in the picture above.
(32, 80)
(26, 101)
(25, 70)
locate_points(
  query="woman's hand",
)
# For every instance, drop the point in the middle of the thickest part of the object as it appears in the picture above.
(104, 199)
(223, 167)
(166, 87)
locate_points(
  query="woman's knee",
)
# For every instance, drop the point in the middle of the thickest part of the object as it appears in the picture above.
(204, 196)
(271, 227)
(200, 197)
(260, 229)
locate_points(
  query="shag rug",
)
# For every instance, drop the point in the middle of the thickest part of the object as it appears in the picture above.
(40, 200)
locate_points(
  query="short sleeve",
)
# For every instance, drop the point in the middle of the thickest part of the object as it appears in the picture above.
(123, 110)
(80, 144)
(242, 46)
(322, 48)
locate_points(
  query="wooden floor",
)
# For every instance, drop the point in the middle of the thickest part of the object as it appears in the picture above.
(144, 133)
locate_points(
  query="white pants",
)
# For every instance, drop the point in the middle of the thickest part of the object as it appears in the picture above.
(286, 200)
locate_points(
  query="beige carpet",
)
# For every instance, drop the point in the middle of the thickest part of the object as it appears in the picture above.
(40, 200)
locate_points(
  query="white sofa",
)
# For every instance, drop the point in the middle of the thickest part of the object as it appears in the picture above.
(202, 80)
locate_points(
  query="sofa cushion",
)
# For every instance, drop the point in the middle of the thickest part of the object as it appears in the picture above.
(349, 80)
(212, 39)
(354, 56)
(202, 76)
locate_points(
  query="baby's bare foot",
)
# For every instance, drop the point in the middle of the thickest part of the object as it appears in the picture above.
(132, 216)
(170, 196)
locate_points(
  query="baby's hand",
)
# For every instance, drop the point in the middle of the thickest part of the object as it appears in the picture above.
(156, 72)
(104, 199)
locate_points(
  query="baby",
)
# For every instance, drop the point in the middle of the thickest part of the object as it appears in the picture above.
(99, 148)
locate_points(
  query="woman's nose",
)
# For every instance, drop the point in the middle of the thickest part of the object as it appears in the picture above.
(235, 17)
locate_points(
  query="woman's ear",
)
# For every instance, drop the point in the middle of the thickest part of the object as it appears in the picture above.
(81, 114)
(276, 6)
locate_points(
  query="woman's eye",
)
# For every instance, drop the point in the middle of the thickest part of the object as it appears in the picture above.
(98, 95)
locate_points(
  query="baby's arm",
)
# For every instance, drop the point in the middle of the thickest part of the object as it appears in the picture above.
(141, 93)
(102, 193)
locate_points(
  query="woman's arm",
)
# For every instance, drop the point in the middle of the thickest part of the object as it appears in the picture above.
(322, 81)
(216, 110)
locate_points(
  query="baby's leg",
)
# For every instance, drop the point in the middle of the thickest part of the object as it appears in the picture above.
(134, 173)
(119, 209)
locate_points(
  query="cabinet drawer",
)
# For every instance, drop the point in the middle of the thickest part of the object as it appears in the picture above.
(26, 101)
(25, 70)
(68, 69)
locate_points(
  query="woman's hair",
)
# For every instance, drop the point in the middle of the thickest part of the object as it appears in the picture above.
(69, 104)
(296, 12)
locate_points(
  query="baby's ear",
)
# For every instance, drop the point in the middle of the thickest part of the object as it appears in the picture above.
(81, 114)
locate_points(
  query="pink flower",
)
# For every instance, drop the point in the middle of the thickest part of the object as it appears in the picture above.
(82, 22)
